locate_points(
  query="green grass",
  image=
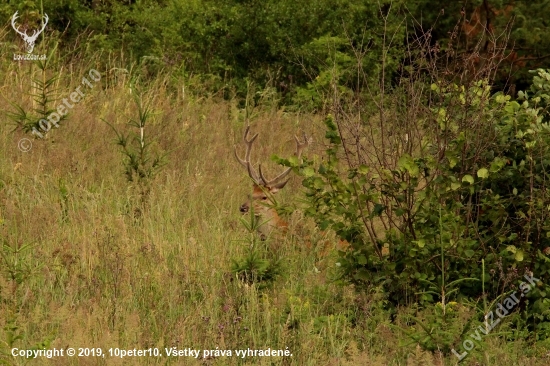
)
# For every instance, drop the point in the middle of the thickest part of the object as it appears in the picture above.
(95, 275)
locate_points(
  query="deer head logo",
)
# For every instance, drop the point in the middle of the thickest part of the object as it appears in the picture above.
(29, 40)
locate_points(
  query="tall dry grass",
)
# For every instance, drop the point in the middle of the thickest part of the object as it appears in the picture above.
(79, 270)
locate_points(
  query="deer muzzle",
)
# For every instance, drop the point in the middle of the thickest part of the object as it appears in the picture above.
(244, 208)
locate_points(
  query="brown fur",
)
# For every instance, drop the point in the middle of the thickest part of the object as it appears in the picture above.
(262, 202)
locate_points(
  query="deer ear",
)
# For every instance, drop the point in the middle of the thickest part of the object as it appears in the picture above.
(278, 186)
(256, 188)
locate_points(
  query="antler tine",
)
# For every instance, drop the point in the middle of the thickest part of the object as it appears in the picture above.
(243, 163)
(46, 18)
(266, 181)
(246, 161)
(300, 146)
(248, 143)
(36, 32)
(15, 28)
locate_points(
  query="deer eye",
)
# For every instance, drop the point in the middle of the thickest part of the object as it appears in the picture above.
(264, 198)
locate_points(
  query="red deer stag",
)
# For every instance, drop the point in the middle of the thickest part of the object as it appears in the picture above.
(261, 199)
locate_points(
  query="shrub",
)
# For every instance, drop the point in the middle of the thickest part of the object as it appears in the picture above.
(472, 188)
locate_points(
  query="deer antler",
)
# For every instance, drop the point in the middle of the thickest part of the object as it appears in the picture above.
(300, 146)
(246, 161)
(16, 29)
(44, 25)
(259, 178)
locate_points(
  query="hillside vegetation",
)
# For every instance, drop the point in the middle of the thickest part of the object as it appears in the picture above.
(418, 228)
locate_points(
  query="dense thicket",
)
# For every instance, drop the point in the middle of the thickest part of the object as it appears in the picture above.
(285, 44)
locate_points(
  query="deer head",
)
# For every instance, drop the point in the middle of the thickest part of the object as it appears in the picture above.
(263, 189)
(29, 40)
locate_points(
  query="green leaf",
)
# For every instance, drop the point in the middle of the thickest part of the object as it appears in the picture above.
(469, 253)
(294, 160)
(468, 178)
(363, 169)
(421, 243)
(318, 183)
(378, 209)
(483, 173)
(407, 162)
(362, 274)
(497, 164)
(501, 98)
(308, 171)
(452, 161)
(519, 255)
(455, 186)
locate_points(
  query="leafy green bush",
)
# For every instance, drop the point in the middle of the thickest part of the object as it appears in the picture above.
(474, 189)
